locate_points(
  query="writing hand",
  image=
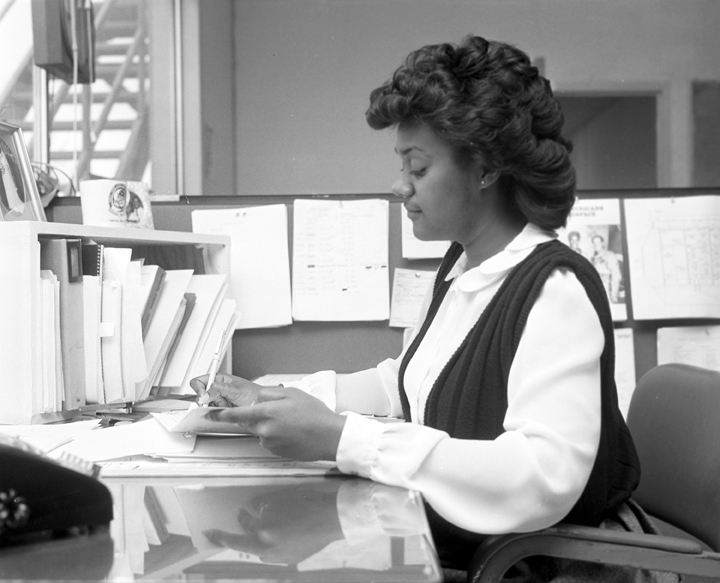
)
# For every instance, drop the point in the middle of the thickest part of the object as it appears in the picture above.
(226, 391)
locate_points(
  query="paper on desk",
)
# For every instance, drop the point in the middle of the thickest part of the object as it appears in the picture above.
(229, 447)
(409, 289)
(144, 437)
(48, 437)
(195, 420)
(260, 265)
(340, 260)
(695, 345)
(673, 256)
(414, 248)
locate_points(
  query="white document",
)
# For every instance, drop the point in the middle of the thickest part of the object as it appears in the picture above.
(594, 229)
(696, 345)
(414, 248)
(340, 260)
(409, 289)
(624, 367)
(260, 264)
(674, 256)
(146, 437)
(133, 354)
(224, 324)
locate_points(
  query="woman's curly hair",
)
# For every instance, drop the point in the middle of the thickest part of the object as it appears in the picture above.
(488, 101)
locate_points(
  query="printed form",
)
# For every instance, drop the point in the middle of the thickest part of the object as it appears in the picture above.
(674, 256)
(340, 260)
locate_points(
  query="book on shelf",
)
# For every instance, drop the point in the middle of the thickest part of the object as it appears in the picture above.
(92, 289)
(63, 257)
(50, 397)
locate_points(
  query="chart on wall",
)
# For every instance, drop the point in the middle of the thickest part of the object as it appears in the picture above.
(674, 256)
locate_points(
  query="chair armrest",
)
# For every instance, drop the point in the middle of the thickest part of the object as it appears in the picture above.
(498, 553)
(636, 539)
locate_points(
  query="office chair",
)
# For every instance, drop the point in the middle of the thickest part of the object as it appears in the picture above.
(674, 419)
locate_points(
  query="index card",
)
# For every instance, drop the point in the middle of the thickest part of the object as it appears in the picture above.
(340, 260)
(674, 256)
(260, 264)
(409, 289)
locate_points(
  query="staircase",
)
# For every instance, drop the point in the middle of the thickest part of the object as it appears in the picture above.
(112, 113)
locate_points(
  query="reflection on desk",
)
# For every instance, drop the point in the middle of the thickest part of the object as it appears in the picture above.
(332, 529)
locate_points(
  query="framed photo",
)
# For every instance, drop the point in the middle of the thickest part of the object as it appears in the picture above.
(19, 196)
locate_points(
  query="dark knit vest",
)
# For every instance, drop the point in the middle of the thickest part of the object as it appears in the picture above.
(469, 398)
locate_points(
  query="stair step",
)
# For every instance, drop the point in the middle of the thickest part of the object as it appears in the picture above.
(97, 155)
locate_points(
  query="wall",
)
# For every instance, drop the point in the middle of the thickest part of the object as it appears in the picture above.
(304, 70)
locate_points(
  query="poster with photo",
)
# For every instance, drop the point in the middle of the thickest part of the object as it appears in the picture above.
(594, 229)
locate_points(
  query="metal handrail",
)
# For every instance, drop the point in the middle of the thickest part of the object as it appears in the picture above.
(93, 133)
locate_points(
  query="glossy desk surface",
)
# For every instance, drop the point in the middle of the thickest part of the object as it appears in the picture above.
(324, 529)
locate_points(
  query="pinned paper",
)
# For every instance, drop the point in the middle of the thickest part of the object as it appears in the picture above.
(409, 290)
(340, 260)
(260, 263)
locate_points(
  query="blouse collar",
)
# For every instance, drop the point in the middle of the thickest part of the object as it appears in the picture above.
(499, 264)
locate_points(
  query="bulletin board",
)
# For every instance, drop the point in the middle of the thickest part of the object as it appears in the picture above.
(306, 347)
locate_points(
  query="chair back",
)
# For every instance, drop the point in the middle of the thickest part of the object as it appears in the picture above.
(674, 418)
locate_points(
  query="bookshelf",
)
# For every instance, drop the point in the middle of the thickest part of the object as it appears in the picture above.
(20, 293)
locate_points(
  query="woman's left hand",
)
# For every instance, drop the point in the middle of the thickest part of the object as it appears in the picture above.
(290, 423)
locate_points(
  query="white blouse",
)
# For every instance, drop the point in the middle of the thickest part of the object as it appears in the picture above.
(530, 476)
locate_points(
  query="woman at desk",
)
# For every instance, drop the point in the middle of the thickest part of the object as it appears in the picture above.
(507, 383)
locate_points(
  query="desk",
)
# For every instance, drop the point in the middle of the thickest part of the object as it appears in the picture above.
(315, 529)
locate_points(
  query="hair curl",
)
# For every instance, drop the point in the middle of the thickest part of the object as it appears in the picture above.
(491, 104)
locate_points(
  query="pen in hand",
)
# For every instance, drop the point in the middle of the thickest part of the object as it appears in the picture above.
(213, 370)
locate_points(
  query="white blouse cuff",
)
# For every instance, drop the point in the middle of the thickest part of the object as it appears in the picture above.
(359, 444)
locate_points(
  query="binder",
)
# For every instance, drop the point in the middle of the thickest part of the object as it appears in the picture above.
(63, 258)
(94, 392)
(92, 258)
(152, 279)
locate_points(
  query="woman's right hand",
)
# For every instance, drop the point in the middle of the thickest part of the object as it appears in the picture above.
(226, 391)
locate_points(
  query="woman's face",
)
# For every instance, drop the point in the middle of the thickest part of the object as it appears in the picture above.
(442, 197)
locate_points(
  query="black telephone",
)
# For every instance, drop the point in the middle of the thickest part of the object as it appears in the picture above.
(38, 493)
